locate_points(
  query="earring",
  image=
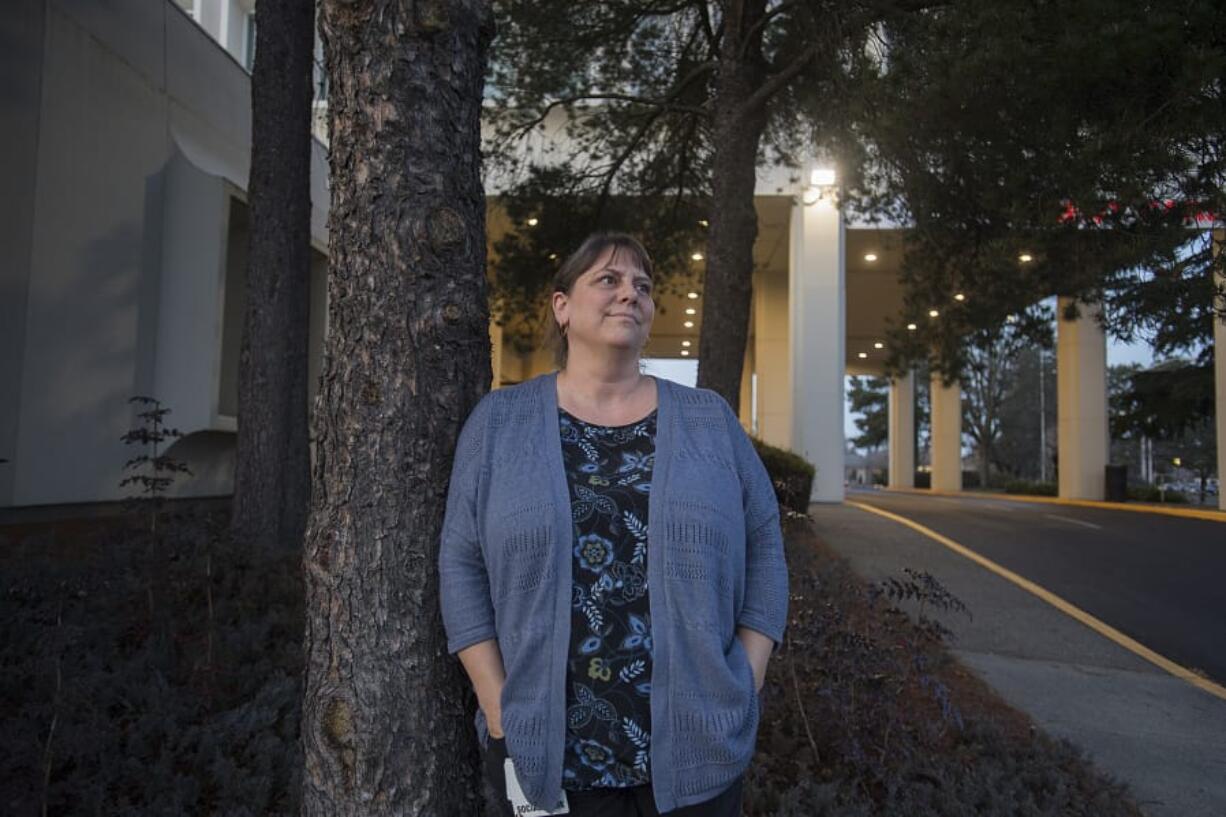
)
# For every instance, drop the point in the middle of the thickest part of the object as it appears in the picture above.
(562, 329)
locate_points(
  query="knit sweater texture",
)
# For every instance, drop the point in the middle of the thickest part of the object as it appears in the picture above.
(715, 562)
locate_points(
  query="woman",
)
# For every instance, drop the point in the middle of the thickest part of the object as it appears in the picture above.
(612, 568)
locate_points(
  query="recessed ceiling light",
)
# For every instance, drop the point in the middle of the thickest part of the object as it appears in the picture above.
(702, 222)
(685, 343)
(878, 345)
(689, 310)
(932, 313)
(911, 327)
(697, 256)
(685, 353)
(691, 295)
(863, 355)
(532, 222)
(553, 256)
(1025, 258)
(870, 257)
(688, 324)
(959, 297)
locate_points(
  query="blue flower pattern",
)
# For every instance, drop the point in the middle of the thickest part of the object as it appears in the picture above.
(608, 678)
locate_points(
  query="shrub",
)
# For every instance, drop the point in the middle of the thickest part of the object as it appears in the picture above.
(1028, 487)
(179, 714)
(1152, 493)
(790, 473)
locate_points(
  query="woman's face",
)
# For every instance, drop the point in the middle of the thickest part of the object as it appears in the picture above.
(610, 304)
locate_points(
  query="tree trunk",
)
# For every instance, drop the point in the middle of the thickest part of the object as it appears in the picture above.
(272, 468)
(989, 409)
(387, 714)
(728, 289)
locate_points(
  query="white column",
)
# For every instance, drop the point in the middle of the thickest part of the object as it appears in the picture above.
(902, 431)
(817, 337)
(771, 357)
(946, 434)
(1081, 403)
(495, 355)
(745, 408)
(1219, 370)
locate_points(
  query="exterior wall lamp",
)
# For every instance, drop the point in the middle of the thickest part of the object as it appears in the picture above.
(821, 186)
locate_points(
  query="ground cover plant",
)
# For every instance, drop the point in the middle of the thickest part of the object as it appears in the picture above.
(194, 709)
(865, 712)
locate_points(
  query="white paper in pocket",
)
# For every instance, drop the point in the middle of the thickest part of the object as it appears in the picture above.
(519, 803)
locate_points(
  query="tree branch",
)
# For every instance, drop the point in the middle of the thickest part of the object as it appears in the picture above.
(776, 83)
(665, 103)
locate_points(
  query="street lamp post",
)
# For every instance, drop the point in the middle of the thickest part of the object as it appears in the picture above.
(1042, 422)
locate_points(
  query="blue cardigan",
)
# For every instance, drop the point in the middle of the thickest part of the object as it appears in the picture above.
(714, 563)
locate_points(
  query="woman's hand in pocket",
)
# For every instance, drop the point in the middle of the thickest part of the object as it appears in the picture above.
(758, 649)
(493, 717)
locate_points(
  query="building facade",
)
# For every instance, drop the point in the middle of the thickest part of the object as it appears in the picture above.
(126, 149)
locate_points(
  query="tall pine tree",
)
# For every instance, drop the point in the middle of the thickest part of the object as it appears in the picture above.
(387, 726)
(271, 475)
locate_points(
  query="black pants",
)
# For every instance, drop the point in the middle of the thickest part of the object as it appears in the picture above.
(635, 801)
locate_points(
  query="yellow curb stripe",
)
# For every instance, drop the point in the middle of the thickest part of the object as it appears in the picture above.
(1187, 513)
(1097, 625)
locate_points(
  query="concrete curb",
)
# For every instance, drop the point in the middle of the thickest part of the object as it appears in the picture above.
(1187, 513)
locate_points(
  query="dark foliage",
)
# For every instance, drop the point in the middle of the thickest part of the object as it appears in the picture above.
(1165, 401)
(870, 398)
(112, 711)
(153, 472)
(865, 713)
(1022, 486)
(791, 474)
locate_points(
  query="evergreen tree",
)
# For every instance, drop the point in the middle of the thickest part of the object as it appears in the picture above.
(387, 714)
(272, 464)
(677, 103)
(1045, 149)
(870, 398)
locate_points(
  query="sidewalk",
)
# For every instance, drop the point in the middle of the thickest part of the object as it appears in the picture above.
(1159, 734)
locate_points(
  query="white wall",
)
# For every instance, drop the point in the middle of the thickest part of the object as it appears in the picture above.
(21, 52)
(123, 122)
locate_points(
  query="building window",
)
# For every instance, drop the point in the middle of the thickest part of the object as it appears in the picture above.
(237, 235)
(249, 41)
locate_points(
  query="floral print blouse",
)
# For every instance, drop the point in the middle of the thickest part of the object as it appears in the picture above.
(608, 676)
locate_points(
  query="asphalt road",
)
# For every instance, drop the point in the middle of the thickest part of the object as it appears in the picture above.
(1159, 579)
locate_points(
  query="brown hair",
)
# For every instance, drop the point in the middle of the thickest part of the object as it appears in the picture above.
(579, 262)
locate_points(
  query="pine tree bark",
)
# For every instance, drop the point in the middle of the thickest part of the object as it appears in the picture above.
(272, 467)
(387, 714)
(738, 128)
